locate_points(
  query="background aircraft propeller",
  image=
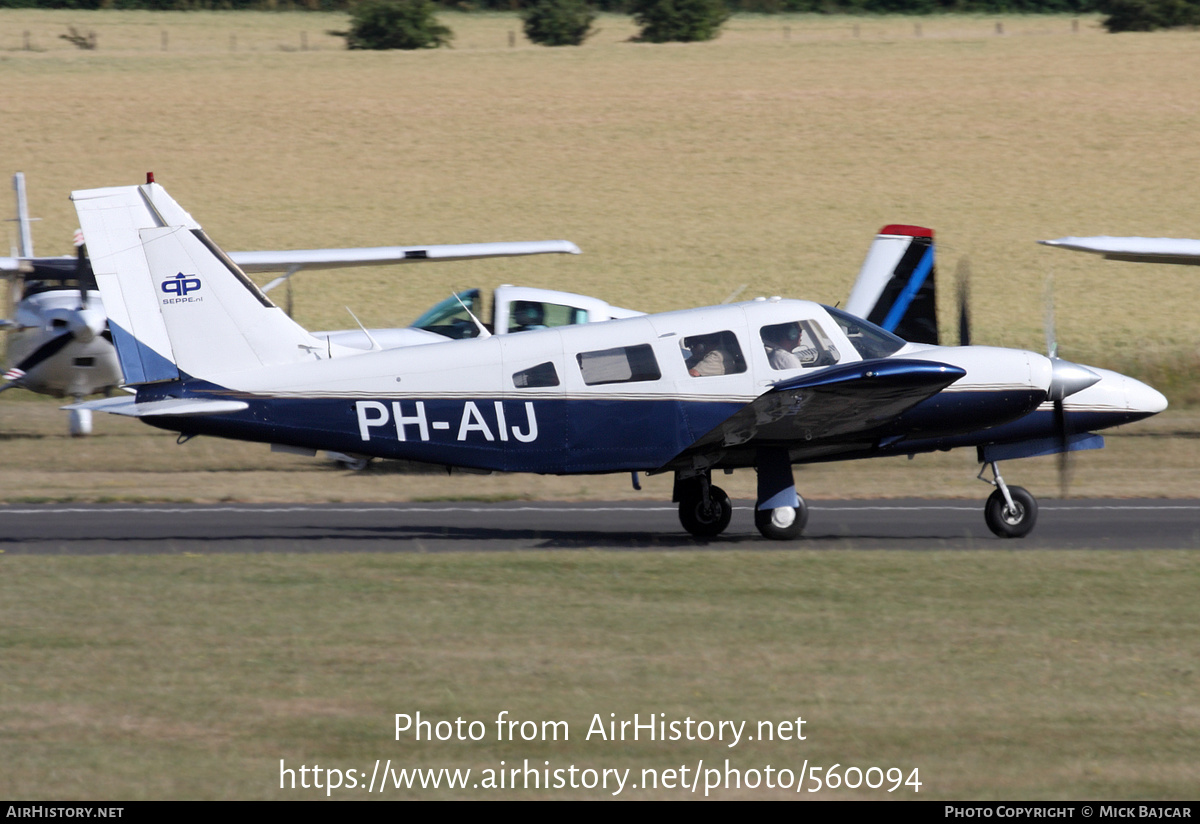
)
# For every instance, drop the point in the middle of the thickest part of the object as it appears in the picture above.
(963, 277)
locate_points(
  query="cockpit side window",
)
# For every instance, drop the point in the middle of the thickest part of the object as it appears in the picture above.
(716, 353)
(526, 315)
(800, 344)
(624, 364)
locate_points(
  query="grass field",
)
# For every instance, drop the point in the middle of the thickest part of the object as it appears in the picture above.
(1003, 675)
(766, 158)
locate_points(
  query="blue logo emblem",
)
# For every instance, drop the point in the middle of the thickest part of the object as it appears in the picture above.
(181, 284)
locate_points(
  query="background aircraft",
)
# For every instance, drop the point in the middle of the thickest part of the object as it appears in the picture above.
(59, 343)
(1136, 249)
(794, 382)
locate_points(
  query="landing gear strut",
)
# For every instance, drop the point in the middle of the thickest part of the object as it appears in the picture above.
(1010, 512)
(704, 509)
(779, 513)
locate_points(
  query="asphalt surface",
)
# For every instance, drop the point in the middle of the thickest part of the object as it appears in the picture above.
(82, 529)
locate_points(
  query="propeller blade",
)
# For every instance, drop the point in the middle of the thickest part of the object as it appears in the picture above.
(963, 275)
(1048, 324)
(47, 350)
(1064, 457)
(82, 271)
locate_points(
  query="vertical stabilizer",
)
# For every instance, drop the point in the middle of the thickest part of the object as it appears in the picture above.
(175, 301)
(897, 285)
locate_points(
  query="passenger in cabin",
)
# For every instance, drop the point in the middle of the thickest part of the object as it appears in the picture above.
(708, 356)
(527, 315)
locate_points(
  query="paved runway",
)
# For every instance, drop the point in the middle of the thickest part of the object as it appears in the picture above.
(82, 529)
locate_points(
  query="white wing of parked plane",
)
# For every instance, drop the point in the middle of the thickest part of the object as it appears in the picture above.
(1135, 249)
(383, 255)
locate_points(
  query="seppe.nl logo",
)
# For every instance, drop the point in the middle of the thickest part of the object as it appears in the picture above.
(181, 286)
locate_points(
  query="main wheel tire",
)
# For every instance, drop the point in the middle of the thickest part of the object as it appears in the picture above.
(705, 519)
(782, 524)
(1011, 524)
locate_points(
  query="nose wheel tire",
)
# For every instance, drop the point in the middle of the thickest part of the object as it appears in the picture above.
(1011, 523)
(705, 519)
(783, 524)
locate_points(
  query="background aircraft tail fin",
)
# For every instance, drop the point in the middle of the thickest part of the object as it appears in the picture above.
(175, 301)
(896, 287)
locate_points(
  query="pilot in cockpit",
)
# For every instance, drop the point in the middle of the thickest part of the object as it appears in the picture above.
(527, 315)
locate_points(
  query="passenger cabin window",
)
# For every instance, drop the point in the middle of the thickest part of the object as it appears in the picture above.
(544, 374)
(625, 364)
(716, 353)
(799, 344)
(527, 315)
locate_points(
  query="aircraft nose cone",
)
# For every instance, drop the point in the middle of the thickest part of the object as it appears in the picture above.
(1143, 398)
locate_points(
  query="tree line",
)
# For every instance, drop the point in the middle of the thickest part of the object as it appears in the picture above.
(659, 17)
(616, 6)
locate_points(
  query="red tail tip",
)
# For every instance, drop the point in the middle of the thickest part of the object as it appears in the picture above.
(900, 229)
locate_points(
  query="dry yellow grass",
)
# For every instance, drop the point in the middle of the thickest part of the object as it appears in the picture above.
(683, 171)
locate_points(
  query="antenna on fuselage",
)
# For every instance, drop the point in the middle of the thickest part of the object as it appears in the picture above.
(374, 343)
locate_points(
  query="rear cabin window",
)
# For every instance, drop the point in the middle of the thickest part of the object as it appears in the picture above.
(716, 353)
(625, 364)
(544, 374)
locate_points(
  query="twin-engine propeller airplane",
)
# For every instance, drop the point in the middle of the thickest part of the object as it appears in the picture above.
(60, 345)
(765, 384)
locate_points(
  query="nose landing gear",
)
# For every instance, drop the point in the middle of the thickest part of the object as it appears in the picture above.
(1010, 511)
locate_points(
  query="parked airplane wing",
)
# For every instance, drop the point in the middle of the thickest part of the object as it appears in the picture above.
(841, 401)
(382, 255)
(1135, 249)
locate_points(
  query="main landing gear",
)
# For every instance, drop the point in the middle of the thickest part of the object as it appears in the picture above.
(779, 513)
(704, 509)
(1010, 511)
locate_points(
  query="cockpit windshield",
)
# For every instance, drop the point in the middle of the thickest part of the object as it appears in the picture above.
(451, 317)
(870, 340)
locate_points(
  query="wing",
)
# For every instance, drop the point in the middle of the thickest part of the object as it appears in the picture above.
(383, 255)
(1135, 249)
(841, 403)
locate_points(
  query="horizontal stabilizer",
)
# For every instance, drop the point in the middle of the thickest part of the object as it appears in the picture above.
(1134, 249)
(843, 401)
(170, 406)
(385, 255)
